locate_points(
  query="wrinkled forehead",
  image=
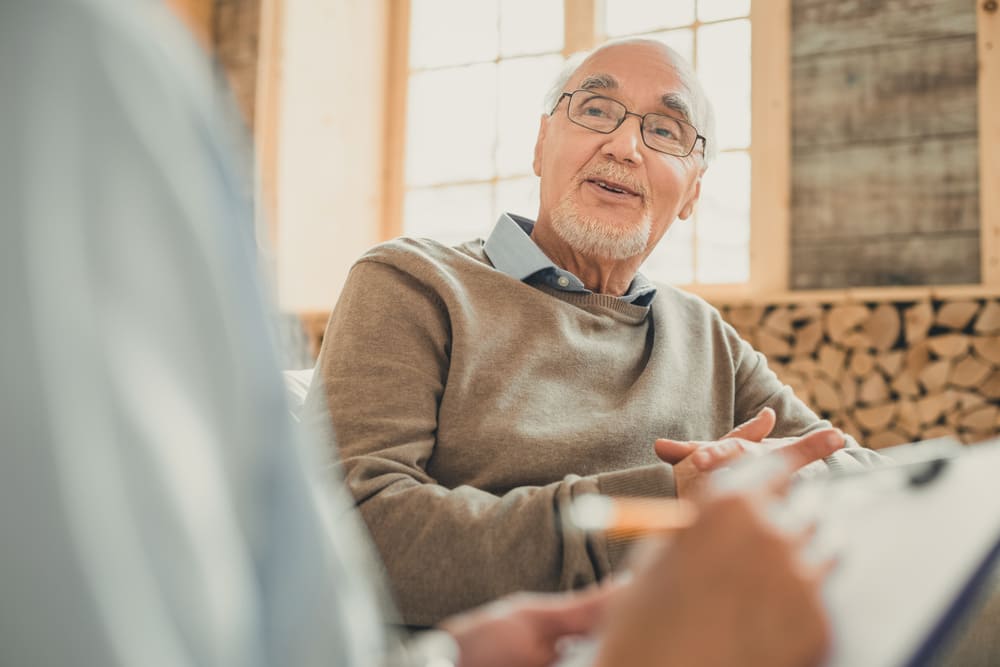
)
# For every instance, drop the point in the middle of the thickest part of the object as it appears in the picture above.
(641, 74)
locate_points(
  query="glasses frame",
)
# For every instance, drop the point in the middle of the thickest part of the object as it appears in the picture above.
(641, 117)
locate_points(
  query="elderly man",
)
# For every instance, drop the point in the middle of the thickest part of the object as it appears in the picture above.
(476, 390)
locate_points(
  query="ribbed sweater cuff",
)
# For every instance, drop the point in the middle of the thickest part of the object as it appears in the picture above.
(652, 481)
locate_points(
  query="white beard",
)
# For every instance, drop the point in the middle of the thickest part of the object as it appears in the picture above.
(594, 237)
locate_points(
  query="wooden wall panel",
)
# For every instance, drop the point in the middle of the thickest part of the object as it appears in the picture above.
(885, 156)
(822, 26)
(886, 260)
(886, 93)
(917, 186)
(236, 35)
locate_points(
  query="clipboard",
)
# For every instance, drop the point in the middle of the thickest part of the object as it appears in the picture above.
(915, 544)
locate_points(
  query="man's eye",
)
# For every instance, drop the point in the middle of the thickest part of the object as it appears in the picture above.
(596, 112)
(663, 132)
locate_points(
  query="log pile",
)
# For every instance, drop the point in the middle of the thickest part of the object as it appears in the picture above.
(889, 372)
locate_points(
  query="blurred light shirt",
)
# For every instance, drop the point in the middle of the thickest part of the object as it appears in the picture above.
(156, 507)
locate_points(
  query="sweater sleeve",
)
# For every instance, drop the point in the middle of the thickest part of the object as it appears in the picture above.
(758, 387)
(384, 367)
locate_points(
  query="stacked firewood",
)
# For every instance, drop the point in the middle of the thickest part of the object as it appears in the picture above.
(888, 372)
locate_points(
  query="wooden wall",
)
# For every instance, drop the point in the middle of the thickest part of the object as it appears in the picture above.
(235, 37)
(884, 143)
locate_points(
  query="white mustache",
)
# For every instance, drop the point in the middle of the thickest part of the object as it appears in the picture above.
(610, 171)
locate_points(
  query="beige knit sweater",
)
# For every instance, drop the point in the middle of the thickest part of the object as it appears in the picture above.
(469, 408)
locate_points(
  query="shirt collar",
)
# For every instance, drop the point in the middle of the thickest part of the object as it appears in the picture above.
(512, 251)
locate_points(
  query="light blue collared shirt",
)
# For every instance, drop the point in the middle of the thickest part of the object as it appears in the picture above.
(512, 251)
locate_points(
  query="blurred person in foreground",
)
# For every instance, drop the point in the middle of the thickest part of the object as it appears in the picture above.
(476, 390)
(157, 503)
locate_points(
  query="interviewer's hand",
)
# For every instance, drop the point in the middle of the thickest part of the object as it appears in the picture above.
(522, 630)
(729, 590)
(694, 460)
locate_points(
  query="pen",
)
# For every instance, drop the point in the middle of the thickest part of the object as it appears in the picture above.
(631, 517)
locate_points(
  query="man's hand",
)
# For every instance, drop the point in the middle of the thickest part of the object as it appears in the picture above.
(522, 630)
(729, 590)
(693, 461)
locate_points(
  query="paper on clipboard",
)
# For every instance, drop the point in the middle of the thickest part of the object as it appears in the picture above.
(909, 556)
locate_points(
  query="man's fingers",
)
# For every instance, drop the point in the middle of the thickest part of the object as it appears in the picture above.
(755, 429)
(673, 451)
(718, 455)
(812, 447)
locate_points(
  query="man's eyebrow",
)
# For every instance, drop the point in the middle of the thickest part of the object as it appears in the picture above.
(599, 81)
(677, 102)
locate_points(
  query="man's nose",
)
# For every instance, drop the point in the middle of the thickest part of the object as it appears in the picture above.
(625, 143)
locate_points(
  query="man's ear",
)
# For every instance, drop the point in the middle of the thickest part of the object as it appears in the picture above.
(536, 164)
(692, 200)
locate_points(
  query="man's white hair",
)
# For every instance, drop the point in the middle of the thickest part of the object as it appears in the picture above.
(702, 114)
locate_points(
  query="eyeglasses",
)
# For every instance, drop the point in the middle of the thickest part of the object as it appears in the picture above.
(602, 114)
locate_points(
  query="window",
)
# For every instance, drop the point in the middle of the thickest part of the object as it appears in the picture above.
(474, 102)
(463, 168)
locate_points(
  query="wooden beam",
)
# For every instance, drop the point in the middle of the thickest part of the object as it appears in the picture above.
(988, 47)
(581, 25)
(268, 113)
(770, 182)
(198, 15)
(725, 294)
(397, 84)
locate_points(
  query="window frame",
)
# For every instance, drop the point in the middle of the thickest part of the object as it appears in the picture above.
(770, 122)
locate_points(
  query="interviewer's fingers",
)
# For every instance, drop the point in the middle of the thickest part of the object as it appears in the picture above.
(756, 428)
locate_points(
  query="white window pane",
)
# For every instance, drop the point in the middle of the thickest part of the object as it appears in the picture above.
(717, 10)
(672, 261)
(681, 41)
(724, 207)
(523, 84)
(517, 195)
(627, 17)
(450, 214)
(720, 263)
(530, 26)
(451, 125)
(452, 32)
(723, 232)
(724, 70)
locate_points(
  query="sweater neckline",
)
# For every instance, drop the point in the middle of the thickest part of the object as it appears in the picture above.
(612, 305)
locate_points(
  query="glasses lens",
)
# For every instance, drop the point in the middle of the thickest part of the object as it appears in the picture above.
(595, 112)
(668, 135)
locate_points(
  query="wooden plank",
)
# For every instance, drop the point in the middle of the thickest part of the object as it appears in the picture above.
(820, 297)
(267, 127)
(770, 127)
(397, 86)
(236, 35)
(198, 15)
(581, 29)
(886, 261)
(988, 45)
(822, 26)
(904, 187)
(919, 90)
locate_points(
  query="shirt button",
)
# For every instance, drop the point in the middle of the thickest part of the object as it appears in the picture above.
(563, 281)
